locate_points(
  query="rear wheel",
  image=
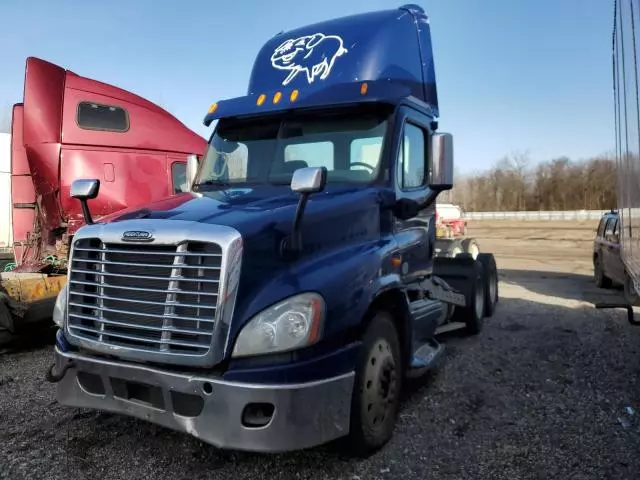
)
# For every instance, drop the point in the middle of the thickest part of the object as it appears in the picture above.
(376, 394)
(473, 313)
(453, 248)
(470, 246)
(490, 277)
(465, 275)
(602, 281)
(630, 294)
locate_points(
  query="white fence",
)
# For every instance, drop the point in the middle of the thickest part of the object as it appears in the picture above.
(541, 215)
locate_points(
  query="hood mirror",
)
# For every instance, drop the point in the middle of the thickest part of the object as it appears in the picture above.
(191, 171)
(309, 180)
(83, 190)
(304, 181)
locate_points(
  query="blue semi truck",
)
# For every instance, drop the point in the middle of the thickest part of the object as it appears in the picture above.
(282, 301)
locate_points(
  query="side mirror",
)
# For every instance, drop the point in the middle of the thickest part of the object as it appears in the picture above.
(191, 171)
(441, 161)
(309, 180)
(83, 190)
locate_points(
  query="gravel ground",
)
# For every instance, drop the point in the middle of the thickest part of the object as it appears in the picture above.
(542, 393)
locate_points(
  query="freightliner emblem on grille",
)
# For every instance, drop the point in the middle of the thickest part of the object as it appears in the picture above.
(137, 236)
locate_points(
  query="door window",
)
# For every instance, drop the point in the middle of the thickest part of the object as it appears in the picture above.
(411, 162)
(610, 229)
(616, 232)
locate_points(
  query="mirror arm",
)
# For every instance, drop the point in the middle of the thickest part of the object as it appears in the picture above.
(291, 245)
(86, 213)
(296, 231)
(304, 181)
(84, 190)
(433, 194)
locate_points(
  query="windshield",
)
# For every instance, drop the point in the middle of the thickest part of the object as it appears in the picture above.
(268, 151)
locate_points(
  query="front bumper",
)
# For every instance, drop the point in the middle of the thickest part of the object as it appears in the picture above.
(239, 416)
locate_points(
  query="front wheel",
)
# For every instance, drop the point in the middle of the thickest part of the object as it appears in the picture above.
(376, 393)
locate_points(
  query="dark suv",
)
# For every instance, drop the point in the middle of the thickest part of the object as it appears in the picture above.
(608, 267)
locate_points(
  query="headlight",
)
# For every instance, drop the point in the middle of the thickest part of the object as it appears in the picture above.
(293, 323)
(60, 308)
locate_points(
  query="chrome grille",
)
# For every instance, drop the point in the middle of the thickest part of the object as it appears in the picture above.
(145, 297)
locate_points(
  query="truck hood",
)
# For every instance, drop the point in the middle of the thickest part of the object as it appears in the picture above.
(254, 211)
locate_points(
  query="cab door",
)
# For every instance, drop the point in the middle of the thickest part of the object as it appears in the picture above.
(414, 235)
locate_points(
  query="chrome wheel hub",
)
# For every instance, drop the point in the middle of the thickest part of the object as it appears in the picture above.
(380, 384)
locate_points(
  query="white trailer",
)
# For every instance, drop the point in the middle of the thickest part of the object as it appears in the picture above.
(5, 193)
(626, 88)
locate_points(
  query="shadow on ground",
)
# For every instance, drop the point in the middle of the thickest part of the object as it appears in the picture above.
(570, 286)
(538, 394)
(28, 340)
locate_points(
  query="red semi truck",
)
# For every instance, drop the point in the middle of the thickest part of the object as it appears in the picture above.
(451, 231)
(69, 127)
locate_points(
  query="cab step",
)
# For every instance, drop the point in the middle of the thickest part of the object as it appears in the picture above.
(450, 327)
(426, 357)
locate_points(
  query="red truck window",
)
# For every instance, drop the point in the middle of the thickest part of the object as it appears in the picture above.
(179, 177)
(109, 118)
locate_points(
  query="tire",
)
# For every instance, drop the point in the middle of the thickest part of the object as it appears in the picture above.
(448, 247)
(6, 337)
(490, 280)
(6, 321)
(470, 246)
(630, 294)
(601, 280)
(378, 374)
(465, 275)
(453, 248)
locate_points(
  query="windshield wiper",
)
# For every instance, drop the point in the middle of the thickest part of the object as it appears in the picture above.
(216, 183)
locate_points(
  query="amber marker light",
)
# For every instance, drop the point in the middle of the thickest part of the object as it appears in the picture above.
(213, 107)
(277, 97)
(364, 88)
(261, 99)
(294, 96)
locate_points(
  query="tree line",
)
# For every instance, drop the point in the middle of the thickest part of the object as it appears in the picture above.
(514, 184)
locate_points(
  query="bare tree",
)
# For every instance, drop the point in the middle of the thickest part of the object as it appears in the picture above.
(559, 184)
